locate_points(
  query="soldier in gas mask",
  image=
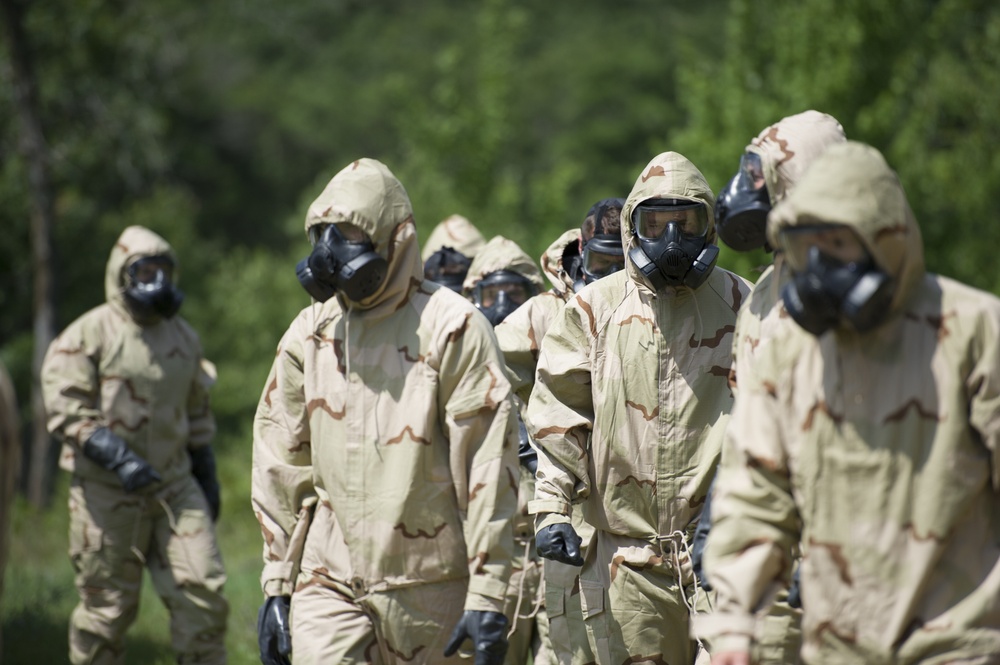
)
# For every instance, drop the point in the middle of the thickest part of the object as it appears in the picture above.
(628, 412)
(501, 279)
(384, 464)
(126, 390)
(769, 169)
(449, 251)
(870, 435)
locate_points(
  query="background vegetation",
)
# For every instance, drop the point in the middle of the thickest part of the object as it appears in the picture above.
(217, 123)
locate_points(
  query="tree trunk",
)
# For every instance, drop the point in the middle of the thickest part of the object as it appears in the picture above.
(35, 153)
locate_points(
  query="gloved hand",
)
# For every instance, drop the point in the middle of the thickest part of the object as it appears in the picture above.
(274, 636)
(559, 542)
(488, 632)
(111, 452)
(525, 452)
(203, 470)
(794, 595)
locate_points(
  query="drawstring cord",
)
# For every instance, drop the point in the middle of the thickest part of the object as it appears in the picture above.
(520, 592)
(678, 541)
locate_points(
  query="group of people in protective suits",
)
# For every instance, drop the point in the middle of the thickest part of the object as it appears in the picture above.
(651, 461)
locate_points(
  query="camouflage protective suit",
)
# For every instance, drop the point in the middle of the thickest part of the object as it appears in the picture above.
(456, 232)
(10, 463)
(529, 625)
(520, 335)
(786, 149)
(629, 406)
(149, 385)
(385, 458)
(878, 451)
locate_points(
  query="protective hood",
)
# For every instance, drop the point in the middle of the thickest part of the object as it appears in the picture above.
(456, 232)
(789, 146)
(501, 254)
(134, 243)
(367, 195)
(552, 262)
(852, 184)
(669, 175)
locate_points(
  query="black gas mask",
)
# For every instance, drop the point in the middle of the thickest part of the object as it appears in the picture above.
(447, 267)
(742, 206)
(150, 291)
(602, 256)
(337, 264)
(673, 248)
(500, 293)
(828, 290)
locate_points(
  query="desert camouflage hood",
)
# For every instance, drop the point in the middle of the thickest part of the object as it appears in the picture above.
(456, 232)
(852, 184)
(789, 146)
(501, 254)
(668, 175)
(552, 262)
(368, 195)
(135, 242)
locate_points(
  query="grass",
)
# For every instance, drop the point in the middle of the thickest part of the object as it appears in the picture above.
(38, 584)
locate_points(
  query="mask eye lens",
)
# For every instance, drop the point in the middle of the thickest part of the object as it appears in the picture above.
(651, 221)
(151, 270)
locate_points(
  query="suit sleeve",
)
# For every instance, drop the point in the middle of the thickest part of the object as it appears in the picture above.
(201, 420)
(281, 481)
(478, 418)
(71, 386)
(983, 389)
(561, 417)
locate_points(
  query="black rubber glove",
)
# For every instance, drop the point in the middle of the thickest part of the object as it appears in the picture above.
(203, 470)
(488, 632)
(794, 595)
(559, 542)
(525, 452)
(274, 636)
(112, 453)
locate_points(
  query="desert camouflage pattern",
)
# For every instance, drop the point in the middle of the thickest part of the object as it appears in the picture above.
(149, 385)
(523, 605)
(789, 146)
(520, 336)
(629, 408)
(501, 254)
(456, 232)
(877, 452)
(10, 462)
(385, 451)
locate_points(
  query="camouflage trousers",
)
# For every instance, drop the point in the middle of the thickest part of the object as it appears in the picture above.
(524, 609)
(331, 623)
(778, 636)
(638, 614)
(567, 632)
(112, 537)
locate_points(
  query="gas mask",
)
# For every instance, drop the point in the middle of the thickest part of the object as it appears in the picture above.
(337, 264)
(150, 291)
(500, 293)
(602, 256)
(828, 291)
(742, 206)
(447, 267)
(673, 250)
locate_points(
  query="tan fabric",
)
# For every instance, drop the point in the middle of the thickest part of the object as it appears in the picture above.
(395, 414)
(10, 463)
(456, 232)
(501, 254)
(631, 402)
(149, 384)
(877, 452)
(112, 535)
(552, 262)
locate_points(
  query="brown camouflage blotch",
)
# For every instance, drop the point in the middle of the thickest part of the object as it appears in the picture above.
(123, 247)
(731, 379)
(639, 483)
(770, 388)
(737, 294)
(914, 404)
(837, 554)
(372, 654)
(391, 252)
(916, 536)
(121, 423)
(456, 334)
(827, 627)
(268, 536)
(640, 319)
(270, 389)
(755, 462)
(475, 491)
(656, 170)
(128, 384)
(772, 134)
(65, 351)
(406, 430)
(753, 342)
(400, 655)
(320, 403)
(938, 323)
(712, 342)
(355, 165)
(483, 558)
(589, 311)
(420, 532)
(890, 231)
(533, 343)
(647, 416)
(821, 407)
